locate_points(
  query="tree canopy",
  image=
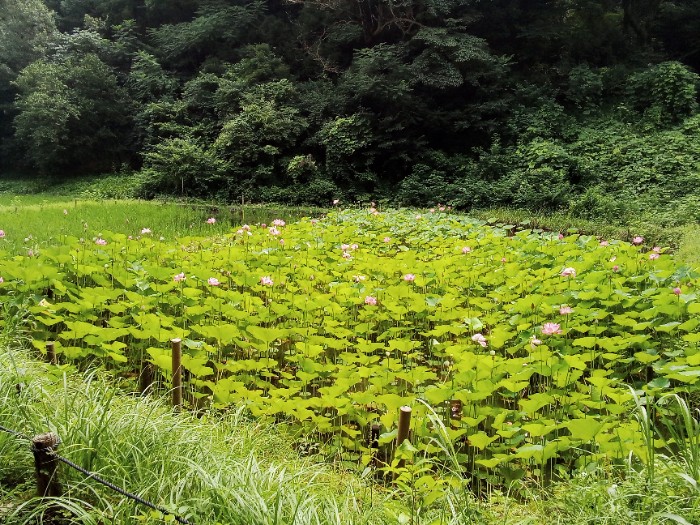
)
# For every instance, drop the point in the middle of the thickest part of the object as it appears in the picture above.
(300, 100)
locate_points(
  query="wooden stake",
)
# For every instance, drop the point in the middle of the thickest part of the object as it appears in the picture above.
(146, 378)
(44, 448)
(51, 352)
(177, 373)
(404, 426)
(455, 413)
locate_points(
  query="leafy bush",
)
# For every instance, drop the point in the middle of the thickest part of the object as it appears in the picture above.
(666, 92)
(542, 179)
(596, 204)
(182, 166)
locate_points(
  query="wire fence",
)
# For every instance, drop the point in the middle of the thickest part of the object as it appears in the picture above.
(100, 480)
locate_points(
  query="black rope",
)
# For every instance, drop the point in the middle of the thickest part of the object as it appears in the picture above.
(121, 491)
(14, 433)
(102, 481)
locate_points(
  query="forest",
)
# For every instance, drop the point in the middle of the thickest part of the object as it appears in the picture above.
(587, 106)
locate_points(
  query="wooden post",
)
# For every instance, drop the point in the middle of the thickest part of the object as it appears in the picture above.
(455, 413)
(44, 448)
(404, 426)
(51, 352)
(374, 442)
(146, 377)
(177, 373)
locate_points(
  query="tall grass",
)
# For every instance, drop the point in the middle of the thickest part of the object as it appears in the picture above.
(30, 225)
(213, 469)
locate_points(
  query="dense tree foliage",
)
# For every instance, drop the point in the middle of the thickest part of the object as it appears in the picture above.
(417, 101)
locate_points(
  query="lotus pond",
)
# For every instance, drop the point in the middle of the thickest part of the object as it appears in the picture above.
(522, 353)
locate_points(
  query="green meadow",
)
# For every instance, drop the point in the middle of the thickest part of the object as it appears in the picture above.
(544, 370)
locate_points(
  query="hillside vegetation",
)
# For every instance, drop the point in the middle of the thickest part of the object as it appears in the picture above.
(583, 107)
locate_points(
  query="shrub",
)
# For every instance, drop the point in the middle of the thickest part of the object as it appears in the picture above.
(666, 93)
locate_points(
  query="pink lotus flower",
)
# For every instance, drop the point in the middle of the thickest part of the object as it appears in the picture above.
(432, 210)
(568, 272)
(211, 220)
(335, 202)
(638, 239)
(387, 239)
(278, 222)
(179, 277)
(263, 225)
(145, 231)
(345, 247)
(2, 234)
(409, 277)
(347, 255)
(100, 242)
(372, 301)
(441, 208)
(560, 236)
(419, 217)
(656, 249)
(616, 268)
(314, 222)
(266, 281)
(479, 338)
(245, 228)
(677, 290)
(654, 256)
(239, 232)
(354, 246)
(503, 260)
(2, 280)
(551, 329)
(273, 230)
(604, 243)
(466, 249)
(282, 242)
(535, 342)
(565, 310)
(358, 278)
(213, 281)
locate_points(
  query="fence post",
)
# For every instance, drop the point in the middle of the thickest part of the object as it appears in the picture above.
(51, 352)
(177, 373)
(455, 413)
(404, 426)
(146, 377)
(44, 448)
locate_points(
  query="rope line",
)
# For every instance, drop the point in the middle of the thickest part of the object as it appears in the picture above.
(14, 433)
(102, 481)
(120, 490)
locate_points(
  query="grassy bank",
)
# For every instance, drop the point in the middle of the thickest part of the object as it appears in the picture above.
(213, 469)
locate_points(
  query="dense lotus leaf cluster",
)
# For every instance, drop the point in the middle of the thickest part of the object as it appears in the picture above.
(527, 345)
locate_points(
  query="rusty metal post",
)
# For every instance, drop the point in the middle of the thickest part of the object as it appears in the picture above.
(44, 448)
(177, 373)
